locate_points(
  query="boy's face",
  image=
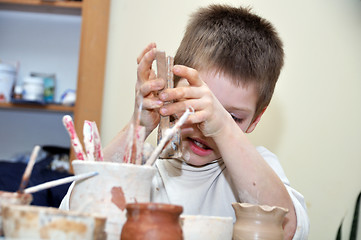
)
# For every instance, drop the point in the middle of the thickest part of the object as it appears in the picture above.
(239, 101)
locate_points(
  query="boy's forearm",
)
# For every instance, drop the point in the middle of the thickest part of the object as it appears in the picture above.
(254, 179)
(113, 150)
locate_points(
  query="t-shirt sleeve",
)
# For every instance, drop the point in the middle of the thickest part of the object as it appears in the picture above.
(298, 200)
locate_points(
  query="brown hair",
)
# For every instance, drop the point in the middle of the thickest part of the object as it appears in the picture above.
(237, 43)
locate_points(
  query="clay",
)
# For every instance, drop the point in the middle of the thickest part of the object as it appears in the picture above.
(152, 221)
(258, 222)
(14, 198)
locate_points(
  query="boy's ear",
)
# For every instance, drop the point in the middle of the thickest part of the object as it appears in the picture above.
(255, 122)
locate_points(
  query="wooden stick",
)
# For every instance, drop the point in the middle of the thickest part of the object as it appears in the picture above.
(29, 169)
(169, 133)
(58, 182)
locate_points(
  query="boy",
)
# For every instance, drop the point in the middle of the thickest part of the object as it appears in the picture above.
(227, 65)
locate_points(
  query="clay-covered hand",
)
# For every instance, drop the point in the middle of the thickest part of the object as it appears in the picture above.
(147, 85)
(209, 114)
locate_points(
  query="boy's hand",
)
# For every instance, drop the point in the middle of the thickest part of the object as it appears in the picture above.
(209, 112)
(147, 84)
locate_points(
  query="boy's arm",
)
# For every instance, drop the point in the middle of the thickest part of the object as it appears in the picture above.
(253, 178)
(146, 85)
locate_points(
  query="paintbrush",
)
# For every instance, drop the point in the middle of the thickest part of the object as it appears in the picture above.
(69, 125)
(168, 134)
(58, 182)
(29, 169)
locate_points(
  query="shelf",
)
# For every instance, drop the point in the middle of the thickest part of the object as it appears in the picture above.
(45, 107)
(42, 6)
(65, 4)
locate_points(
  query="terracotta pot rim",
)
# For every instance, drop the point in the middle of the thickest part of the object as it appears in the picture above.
(265, 208)
(155, 206)
(116, 164)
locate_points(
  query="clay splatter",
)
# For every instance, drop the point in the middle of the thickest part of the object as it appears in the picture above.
(118, 197)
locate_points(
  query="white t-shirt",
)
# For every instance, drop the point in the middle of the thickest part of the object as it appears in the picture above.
(207, 190)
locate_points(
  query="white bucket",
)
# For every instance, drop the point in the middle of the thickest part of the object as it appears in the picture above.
(107, 193)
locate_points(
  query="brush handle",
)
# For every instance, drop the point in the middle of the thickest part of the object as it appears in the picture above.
(58, 182)
(69, 125)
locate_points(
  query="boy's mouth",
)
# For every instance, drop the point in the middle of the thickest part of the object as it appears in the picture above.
(199, 147)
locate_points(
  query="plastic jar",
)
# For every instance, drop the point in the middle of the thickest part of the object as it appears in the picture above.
(33, 89)
(7, 79)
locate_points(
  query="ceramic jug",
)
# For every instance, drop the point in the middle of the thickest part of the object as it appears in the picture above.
(148, 221)
(258, 222)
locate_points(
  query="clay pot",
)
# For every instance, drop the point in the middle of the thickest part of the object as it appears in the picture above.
(13, 198)
(33, 222)
(197, 227)
(152, 221)
(258, 222)
(108, 193)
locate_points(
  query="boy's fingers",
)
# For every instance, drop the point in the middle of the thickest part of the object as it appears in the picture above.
(171, 94)
(188, 73)
(147, 49)
(151, 103)
(146, 64)
(179, 107)
(151, 86)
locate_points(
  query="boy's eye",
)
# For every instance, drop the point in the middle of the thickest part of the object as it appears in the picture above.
(236, 119)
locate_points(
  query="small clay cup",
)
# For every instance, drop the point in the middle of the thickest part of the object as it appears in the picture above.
(12, 198)
(152, 221)
(258, 221)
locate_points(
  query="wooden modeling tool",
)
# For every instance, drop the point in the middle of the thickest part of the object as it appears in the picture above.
(165, 71)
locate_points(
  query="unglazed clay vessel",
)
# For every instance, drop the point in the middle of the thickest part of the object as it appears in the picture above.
(197, 227)
(259, 222)
(13, 198)
(149, 221)
(108, 193)
(33, 222)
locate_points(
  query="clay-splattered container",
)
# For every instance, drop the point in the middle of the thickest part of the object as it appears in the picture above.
(32, 222)
(108, 193)
(197, 227)
(13, 198)
(258, 221)
(152, 221)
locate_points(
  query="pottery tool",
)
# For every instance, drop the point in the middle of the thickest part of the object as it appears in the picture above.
(58, 182)
(89, 140)
(165, 71)
(69, 125)
(168, 134)
(138, 135)
(97, 143)
(29, 169)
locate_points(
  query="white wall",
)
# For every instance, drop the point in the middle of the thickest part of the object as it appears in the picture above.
(313, 122)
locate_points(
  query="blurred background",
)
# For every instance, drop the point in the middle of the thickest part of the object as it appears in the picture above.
(313, 122)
